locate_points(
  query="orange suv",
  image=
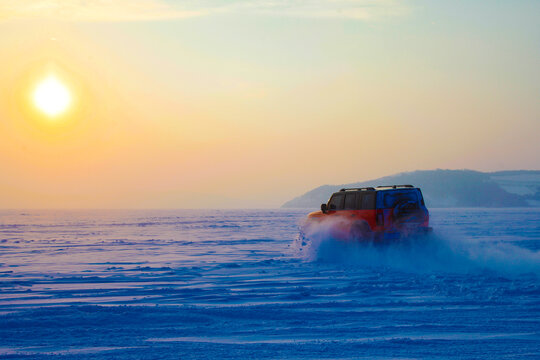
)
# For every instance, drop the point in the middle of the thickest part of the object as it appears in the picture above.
(384, 212)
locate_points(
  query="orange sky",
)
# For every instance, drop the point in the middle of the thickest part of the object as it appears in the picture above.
(235, 106)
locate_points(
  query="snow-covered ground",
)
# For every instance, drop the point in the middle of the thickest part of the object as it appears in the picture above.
(236, 284)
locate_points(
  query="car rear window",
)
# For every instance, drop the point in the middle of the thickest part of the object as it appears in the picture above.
(391, 198)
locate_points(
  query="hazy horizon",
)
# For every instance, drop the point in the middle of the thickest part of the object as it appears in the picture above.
(166, 105)
(235, 205)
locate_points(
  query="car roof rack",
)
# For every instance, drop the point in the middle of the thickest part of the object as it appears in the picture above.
(394, 186)
(358, 189)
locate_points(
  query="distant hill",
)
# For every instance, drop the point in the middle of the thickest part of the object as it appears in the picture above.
(449, 188)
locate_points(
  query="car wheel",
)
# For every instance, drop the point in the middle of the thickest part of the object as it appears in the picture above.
(360, 231)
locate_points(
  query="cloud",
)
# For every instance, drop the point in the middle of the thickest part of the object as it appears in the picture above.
(148, 10)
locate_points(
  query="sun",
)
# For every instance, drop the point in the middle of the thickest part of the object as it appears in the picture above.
(51, 96)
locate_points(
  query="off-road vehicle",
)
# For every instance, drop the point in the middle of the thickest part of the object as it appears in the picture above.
(383, 212)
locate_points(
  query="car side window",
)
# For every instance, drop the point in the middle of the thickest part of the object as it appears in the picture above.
(350, 201)
(368, 201)
(360, 200)
(336, 202)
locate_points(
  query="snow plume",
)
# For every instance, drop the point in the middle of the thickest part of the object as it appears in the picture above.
(435, 252)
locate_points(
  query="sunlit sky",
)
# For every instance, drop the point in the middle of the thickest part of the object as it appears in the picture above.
(202, 104)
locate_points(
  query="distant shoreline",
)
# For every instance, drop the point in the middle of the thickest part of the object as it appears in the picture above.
(450, 188)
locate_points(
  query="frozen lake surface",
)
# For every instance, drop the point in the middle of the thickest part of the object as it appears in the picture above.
(236, 284)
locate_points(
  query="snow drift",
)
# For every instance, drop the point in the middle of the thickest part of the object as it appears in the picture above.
(446, 251)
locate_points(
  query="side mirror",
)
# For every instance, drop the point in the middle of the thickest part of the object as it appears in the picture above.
(324, 209)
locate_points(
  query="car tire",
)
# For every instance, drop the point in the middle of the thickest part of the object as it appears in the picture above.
(361, 231)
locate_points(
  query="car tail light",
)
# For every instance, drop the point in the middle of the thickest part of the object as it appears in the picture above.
(380, 218)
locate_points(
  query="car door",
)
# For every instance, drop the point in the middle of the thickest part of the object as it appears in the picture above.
(366, 206)
(337, 228)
